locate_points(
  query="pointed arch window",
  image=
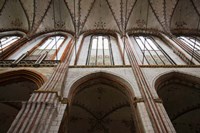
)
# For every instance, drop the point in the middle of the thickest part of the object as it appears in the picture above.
(6, 41)
(50, 47)
(153, 54)
(100, 52)
(192, 42)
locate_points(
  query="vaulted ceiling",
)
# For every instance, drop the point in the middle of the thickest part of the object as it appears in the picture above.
(78, 16)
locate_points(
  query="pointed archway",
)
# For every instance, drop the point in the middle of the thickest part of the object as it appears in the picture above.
(180, 94)
(16, 87)
(100, 103)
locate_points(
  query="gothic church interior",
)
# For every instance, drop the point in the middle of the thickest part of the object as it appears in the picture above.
(100, 66)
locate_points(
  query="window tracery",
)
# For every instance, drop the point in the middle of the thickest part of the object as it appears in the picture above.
(152, 53)
(49, 47)
(192, 42)
(100, 51)
(6, 41)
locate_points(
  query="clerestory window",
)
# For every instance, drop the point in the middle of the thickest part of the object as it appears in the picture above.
(6, 41)
(50, 46)
(192, 42)
(152, 53)
(100, 52)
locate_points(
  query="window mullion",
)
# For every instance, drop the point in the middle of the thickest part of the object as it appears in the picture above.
(7, 41)
(150, 51)
(196, 42)
(96, 60)
(164, 53)
(152, 57)
(140, 48)
(153, 41)
(53, 44)
(103, 50)
(110, 51)
(89, 51)
(44, 49)
(189, 42)
(146, 49)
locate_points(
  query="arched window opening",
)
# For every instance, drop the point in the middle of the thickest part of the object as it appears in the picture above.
(50, 47)
(181, 98)
(100, 105)
(100, 51)
(192, 41)
(15, 87)
(152, 53)
(6, 41)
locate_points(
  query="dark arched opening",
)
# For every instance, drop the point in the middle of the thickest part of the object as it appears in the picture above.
(180, 94)
(15, 87)
(100, 104)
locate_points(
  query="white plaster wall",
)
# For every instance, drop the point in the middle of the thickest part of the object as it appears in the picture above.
(84, 51)
(143, 114)
(72, 57)
(152, 74)
(74, 74)
(115, 51)
(75, 49)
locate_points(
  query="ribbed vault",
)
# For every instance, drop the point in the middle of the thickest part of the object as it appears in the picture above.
(77, 16)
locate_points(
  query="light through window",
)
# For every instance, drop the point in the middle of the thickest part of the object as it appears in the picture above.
(153, 54)
(5, 42)
(100, 52)
(49, 46)
(192, 42)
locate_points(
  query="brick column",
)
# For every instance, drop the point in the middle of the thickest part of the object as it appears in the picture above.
(159, 119)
